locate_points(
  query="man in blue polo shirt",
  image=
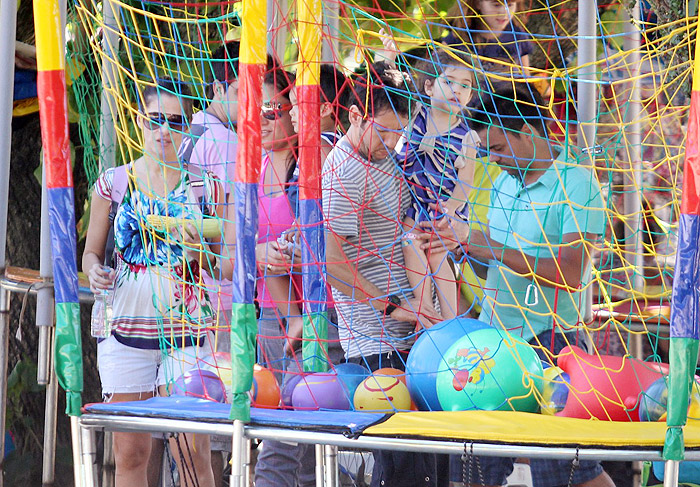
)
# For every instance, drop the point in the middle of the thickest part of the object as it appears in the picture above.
(546, 214)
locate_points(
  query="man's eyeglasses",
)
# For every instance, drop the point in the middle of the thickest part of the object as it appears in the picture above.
(156, 120)
(274, 111)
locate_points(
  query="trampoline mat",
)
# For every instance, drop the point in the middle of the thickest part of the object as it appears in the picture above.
(348, 423)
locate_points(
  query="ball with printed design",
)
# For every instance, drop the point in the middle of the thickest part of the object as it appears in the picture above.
(555, 390)
(382, 393)
(490, 370)
(426, 359)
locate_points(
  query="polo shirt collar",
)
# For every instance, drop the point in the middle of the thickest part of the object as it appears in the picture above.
(550, 177)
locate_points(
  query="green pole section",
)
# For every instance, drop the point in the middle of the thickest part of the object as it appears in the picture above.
(315, 344)
(683, 358)
(244, 327)
(69, 357)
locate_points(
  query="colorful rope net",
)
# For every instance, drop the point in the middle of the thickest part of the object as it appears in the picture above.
(572, 248)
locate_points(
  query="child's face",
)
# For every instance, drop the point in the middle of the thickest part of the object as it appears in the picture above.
(452, 90)
(496, 14)
(294, 112)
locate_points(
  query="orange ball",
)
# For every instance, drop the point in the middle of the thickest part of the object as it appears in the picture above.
(265, 392)
(399, 374)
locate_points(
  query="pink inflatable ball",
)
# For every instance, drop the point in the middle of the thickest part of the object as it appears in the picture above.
(321, 390)
(200, 383)
(604, 386)
(288, 385)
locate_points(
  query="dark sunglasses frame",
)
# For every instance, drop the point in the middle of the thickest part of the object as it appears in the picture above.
(274, 111)
(155, 120)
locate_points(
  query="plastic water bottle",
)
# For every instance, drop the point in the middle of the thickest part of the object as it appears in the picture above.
(101, 318)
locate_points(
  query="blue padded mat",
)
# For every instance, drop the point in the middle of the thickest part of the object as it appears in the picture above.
(349, 423)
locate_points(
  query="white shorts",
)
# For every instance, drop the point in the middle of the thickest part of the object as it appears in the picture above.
(125, 369)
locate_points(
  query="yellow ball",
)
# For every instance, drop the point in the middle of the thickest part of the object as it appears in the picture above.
(382, 393)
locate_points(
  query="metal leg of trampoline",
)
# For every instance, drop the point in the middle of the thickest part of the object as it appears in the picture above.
(331, 465)
(48, 470)
(319, 466)
(239, 443)
(4, 350)
(671, 473)
(76, 440)
(88, 460)
(246, 462)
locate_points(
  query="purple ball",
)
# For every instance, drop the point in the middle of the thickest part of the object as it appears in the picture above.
(320, 391)
(200, 383)
(288, 389)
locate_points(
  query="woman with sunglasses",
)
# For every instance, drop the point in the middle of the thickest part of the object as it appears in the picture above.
(161, 312)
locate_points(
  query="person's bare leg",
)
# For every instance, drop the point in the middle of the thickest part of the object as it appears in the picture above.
(131, 450)
(602, 480)
(193, 457)
(155, 462)
(217, 468)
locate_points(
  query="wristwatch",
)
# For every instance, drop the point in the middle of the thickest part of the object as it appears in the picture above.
(393, 302)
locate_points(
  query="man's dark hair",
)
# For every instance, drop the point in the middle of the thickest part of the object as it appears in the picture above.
(224, 65)
(382, 88)
(169, 87)
(335, 90)
(511, 108)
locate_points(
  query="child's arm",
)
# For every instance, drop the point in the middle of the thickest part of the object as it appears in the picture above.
(390, 50)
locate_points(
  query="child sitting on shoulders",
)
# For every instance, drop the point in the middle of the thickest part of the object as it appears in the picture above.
(440, 156)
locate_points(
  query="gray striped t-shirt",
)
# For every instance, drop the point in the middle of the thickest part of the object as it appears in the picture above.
(364, 203)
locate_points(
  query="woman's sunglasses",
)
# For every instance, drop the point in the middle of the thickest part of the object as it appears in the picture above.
(274, 111)
(156, 120)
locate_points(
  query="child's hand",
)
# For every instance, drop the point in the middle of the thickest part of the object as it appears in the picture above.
(390, 50)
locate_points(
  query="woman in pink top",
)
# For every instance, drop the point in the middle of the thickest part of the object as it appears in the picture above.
(280, 323)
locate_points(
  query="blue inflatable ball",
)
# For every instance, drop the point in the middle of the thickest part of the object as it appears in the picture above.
(555, 390)
(490, 370)
(652, 406)
(320, 391)
(288, 385)
(425, 360)
(351, 376)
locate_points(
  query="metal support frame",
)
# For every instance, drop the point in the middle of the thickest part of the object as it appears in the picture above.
(237, 447)
(110, 44)
(76, 440)
(318, 450)
(633, 179)
(587, 102)
(331, 31)
(4, 348)
(48, 465)
(330, 456)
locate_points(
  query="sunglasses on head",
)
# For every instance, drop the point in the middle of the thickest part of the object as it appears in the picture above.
(274, 111)
(156, 120)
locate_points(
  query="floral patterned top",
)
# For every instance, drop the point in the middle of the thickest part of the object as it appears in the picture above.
(159, 299)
